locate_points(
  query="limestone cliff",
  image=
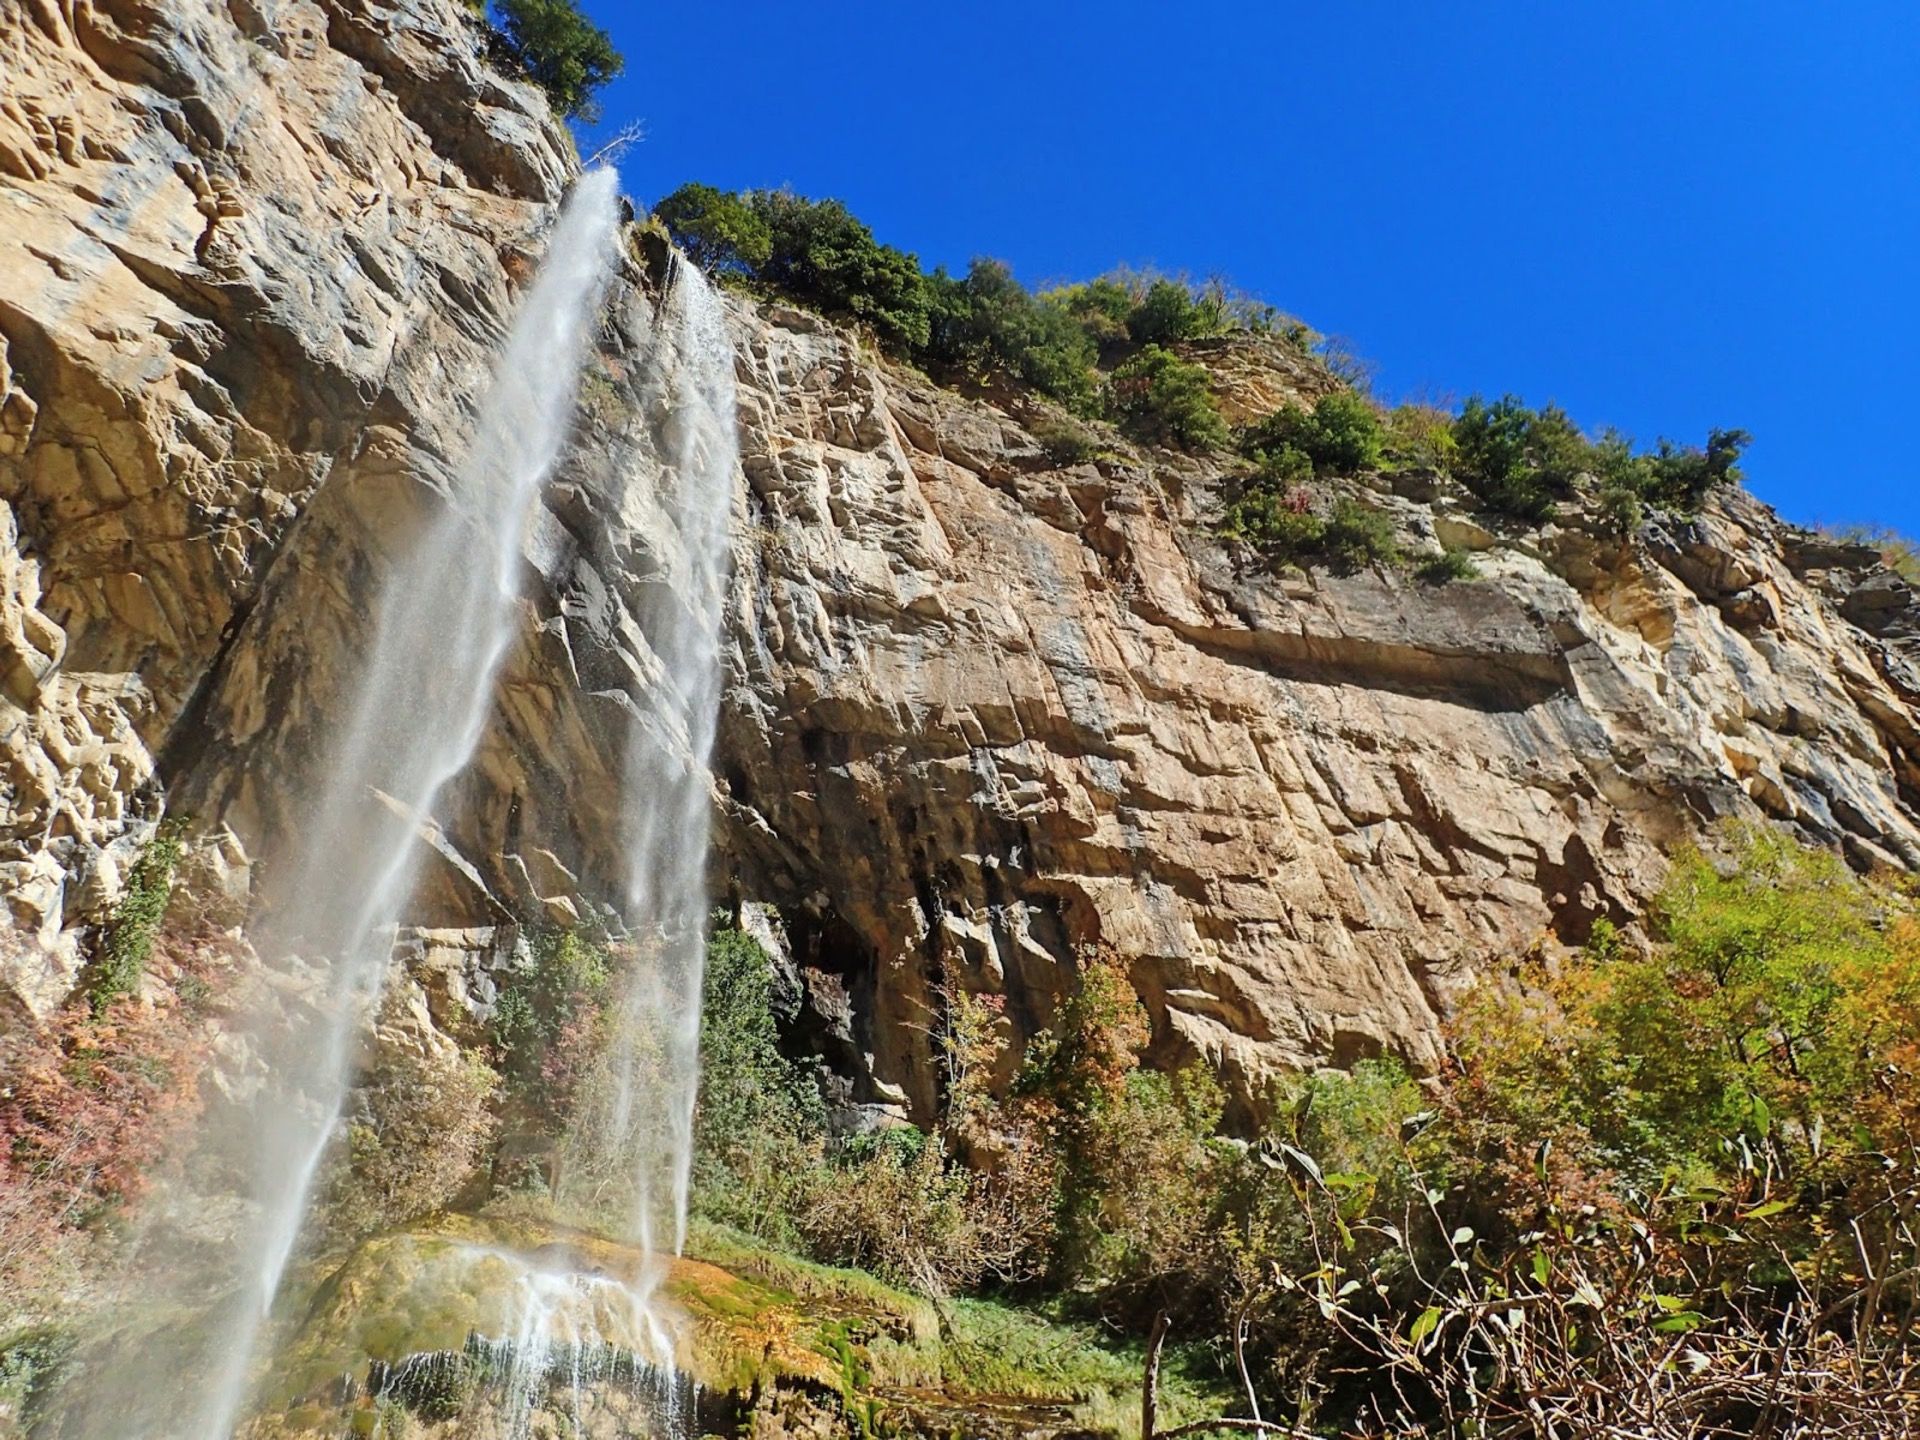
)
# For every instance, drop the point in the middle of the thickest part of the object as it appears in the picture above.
(984, 710)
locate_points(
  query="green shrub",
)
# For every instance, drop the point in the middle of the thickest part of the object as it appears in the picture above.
(989, 321)
(1446, 567)
(819, 253)
(890, 1204)
(1290, 525)
(759, 1125)
(136, 918)
(1780, 988)
(1100, 307)
(1066, 441)
(1170, 311)
(1359, 535)
(1418, 437)
(1683, 477)
(718, 230)
(1281, 524)
(30, 1363)
(547, 1021)
(1518, 460)
(557, 48)
(1341, 435)
(1522, 462)
(1165, 400)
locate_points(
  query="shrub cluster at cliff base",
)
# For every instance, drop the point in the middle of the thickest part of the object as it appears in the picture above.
(1710, 1138)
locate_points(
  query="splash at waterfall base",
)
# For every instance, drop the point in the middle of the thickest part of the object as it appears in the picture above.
(414, 1336)
(503, 1329)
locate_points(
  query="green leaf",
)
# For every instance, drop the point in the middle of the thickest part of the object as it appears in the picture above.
(1308, 1166)
(1761, 1212)
(1541, 1267)
(1670, 1303)
(1463, 1236)
(1680, 1322)
(1424, 1324)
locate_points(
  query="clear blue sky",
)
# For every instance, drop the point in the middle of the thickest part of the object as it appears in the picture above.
(1664, 216)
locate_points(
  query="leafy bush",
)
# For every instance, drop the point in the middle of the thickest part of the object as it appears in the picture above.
(1165, 400)
(1101, 307)
(1293, 526)
(1067, 442)
(1778, 993)
(421, 1128)
(819, 253)
(1678, 1314)
(89, 1104)
(1518, 460)
(1359, 535)
(1682, 477)
(1341, 435)
(557, 48)
(891, 1203)
(1522, 461)
(989, 321)
(759, 1127)
(548, 1021)
(1446, 567)
(718, 230)
(1418, 437)
(136, 919)
(1170, 311)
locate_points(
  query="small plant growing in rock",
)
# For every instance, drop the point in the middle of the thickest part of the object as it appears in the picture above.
(1163, 399)
(1341, 435)
(136, 919)
(1446, 567)
(1296, 527)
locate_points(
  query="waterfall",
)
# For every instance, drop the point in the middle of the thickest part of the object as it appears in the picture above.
(421, 696)
(628, 1150)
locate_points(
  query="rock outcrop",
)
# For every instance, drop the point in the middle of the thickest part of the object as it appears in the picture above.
(986, 711)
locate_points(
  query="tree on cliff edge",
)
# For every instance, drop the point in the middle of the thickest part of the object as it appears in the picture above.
(557, 48)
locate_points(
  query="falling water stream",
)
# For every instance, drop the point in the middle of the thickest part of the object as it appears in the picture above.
(626, 1159)
(441, 627)
(628, 1150)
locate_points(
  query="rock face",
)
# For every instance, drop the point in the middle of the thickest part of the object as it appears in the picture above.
(989, 710)
(985, 711)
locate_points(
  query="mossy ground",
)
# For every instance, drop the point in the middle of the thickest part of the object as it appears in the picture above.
(754, 1319)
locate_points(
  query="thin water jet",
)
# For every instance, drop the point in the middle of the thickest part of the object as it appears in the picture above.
(627, 1156)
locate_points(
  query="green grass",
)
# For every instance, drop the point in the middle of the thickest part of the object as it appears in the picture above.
(972, 1346)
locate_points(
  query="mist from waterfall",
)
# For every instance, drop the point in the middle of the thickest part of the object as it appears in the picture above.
(418, 703)
(628, 1151)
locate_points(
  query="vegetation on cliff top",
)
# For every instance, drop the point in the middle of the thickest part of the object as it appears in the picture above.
(1122, 348)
